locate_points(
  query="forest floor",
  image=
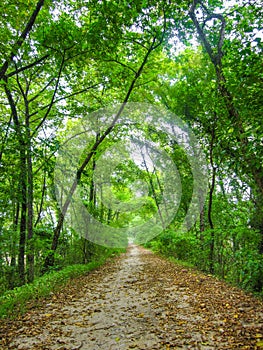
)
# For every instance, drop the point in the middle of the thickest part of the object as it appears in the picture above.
(140, 301)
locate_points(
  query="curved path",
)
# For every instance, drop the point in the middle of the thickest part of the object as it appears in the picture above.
(141, 301)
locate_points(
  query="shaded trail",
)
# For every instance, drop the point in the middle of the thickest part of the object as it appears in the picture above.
(140, 301)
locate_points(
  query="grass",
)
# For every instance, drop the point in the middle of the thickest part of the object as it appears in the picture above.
(180, 262)
(15, 302)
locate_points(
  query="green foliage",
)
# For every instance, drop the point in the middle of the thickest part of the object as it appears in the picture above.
(236, 257)
(174, 245)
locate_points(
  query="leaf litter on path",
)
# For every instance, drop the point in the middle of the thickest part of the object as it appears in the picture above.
(140, 301)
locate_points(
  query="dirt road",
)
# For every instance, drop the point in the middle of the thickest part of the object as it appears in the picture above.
(141, 301)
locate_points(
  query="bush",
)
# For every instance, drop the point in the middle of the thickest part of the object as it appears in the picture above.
(235, 258)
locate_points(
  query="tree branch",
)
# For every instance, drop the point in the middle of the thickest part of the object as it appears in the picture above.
(19, 70)
(63, 98)
(122, 64)
(221, 33)
(41, 91)
(201, 32)
(21, 39)
(53, 96)
(215, 58)
(14, 112)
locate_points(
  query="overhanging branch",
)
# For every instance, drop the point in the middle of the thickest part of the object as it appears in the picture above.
(19, 70)
(22, 38)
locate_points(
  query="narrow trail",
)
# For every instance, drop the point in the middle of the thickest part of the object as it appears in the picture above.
(140, 301)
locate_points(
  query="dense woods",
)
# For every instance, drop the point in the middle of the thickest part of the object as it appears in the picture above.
(61, 61)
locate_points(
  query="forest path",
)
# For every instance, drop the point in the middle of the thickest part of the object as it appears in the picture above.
(141, 301)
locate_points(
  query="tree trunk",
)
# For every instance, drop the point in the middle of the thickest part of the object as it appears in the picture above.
(152, 188)
(30, 198)
(212, 237)
(22, 228)
(22, 185)
(202, 222)
(210, 202)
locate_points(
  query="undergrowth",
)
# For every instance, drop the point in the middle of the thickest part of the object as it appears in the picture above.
(15, 302)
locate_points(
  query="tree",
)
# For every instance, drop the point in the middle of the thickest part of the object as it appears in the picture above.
(214, 47)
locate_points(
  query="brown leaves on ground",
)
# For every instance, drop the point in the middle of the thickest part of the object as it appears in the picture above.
(220, 316)
(140, 301)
